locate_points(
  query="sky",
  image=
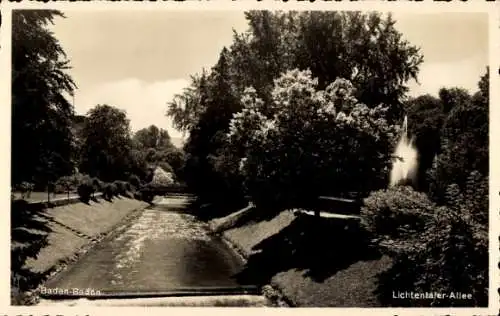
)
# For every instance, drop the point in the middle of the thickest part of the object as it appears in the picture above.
(138, 61)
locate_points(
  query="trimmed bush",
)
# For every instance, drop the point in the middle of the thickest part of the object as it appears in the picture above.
(85, 190)
(97, 184)
(121, 187)
(109, 191)
(134, 180)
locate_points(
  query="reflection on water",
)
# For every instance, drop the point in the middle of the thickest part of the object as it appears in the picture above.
(161, 250)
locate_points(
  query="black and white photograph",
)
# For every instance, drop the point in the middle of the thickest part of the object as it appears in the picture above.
(258, 158)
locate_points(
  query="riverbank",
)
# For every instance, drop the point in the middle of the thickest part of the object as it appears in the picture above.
(52, 238)
(325, 262)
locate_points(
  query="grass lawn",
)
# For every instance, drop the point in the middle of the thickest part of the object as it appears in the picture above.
(96, 217)
(91, 219)
(325, 262)
(42, 196)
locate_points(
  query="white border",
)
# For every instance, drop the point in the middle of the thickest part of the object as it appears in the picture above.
(398, 6)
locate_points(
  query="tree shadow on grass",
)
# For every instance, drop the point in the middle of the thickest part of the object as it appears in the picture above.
(29, 234)
(318, 246)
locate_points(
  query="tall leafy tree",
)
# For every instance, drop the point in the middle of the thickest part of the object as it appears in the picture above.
(152, 137)
(42, 143)
(207, 136)
(464, 142)
(107, 144)
(365, 49)
(425, 120)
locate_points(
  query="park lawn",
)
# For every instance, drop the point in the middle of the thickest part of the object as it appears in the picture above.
(313, 265)
(354, 286)
(42, 196)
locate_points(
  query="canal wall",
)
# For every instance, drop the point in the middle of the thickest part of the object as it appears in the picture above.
(60, 235)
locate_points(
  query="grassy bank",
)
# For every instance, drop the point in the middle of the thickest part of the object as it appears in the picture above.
(314, 262)
(43, 239)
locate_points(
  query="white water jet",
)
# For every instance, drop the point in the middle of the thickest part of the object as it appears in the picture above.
(406, 159)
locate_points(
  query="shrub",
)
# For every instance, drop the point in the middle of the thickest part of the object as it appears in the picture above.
(147, 196)
(135, 181)
(396, 213)
(26, 188)
(113, 189)
(121, 187)
(85, 190)
(108, 191)
(435, 248)
(138, 195)
(97, 184)
(66, 184)
(451, 255)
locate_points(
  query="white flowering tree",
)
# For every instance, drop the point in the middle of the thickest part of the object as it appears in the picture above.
(309, 142)
(162, 177)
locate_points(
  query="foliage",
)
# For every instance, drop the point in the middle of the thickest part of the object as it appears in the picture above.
(42, 145)
(425, 120)
(464, 143)
(434, 248)
(153, 146)
(397, 214)
(152, 137)
(85, 189)
(309, 138)
(97, 184)
(162, 177)
(68, 183)
(134, 181)
(107, 143)
(109, 191)
(121, 187)
(25, 188)
(366, 49)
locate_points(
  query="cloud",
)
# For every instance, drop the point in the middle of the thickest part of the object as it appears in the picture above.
(145, 103)
(464, 73)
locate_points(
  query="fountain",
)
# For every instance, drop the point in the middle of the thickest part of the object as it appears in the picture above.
(406, 159)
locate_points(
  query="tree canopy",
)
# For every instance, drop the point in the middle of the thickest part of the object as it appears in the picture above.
(107, 143)
(363, 48)
(42, 146)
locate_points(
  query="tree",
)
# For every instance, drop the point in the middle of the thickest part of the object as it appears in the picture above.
(316, 142)
(157, 149)
(366, 49)
(207, 136)
(425, 120)
(107, 144)
(42, 143)
(153, 137)
(464, 143)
